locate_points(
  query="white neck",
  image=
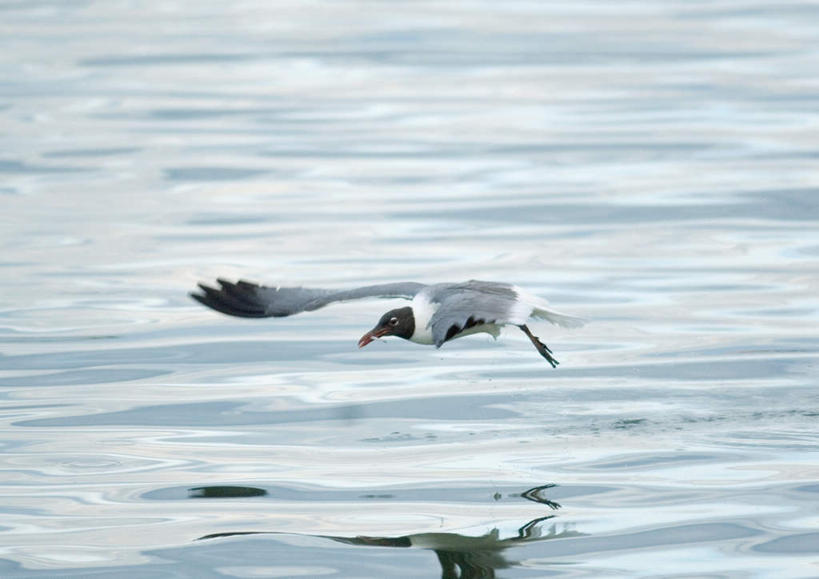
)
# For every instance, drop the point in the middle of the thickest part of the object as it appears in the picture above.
(422, 311)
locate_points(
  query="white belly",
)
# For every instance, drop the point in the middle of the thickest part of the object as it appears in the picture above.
(491, 329)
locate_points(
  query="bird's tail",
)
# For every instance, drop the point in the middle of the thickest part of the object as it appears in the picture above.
(564, 320)
(541, 310)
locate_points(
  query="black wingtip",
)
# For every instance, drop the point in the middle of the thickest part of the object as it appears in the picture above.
(199, 298)
(230, 300)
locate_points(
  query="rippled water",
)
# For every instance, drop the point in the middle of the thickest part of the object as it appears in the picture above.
(651, 166)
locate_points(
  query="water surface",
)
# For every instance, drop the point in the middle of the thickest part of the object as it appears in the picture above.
(650, 166)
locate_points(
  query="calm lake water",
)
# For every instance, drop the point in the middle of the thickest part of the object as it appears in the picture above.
(652, 166)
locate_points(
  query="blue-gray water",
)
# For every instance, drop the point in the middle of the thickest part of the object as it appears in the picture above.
(652, 166)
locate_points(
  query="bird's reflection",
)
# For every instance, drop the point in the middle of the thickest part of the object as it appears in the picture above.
(225, 492)
(469, 557)
(461, 556)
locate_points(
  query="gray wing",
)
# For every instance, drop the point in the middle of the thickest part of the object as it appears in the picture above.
(249, 300)
(469, 304)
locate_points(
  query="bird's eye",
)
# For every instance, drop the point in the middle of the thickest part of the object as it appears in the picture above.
(393, 321)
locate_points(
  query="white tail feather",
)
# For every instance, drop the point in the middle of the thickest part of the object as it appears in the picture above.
(557, 318)
(536, 307)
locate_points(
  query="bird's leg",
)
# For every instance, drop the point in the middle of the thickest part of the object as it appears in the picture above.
(542, 348)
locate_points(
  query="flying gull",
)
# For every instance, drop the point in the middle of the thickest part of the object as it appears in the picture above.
(438, 312)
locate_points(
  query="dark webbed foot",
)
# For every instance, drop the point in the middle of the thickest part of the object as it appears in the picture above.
(542, 348)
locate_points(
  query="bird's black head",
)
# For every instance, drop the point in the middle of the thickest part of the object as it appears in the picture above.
(399, 322)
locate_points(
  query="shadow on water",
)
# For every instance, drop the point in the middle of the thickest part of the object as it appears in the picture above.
(459, 555)
(225, 492)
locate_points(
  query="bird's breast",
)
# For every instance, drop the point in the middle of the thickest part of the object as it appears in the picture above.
(422, 311)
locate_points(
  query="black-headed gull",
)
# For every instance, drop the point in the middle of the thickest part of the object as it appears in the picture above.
(438, 312)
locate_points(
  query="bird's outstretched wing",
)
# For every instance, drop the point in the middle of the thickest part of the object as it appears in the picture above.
(249, 300)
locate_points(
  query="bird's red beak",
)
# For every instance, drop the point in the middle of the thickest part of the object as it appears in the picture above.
(371, 335)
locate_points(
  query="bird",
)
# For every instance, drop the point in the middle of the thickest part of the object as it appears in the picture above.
(437, 312)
